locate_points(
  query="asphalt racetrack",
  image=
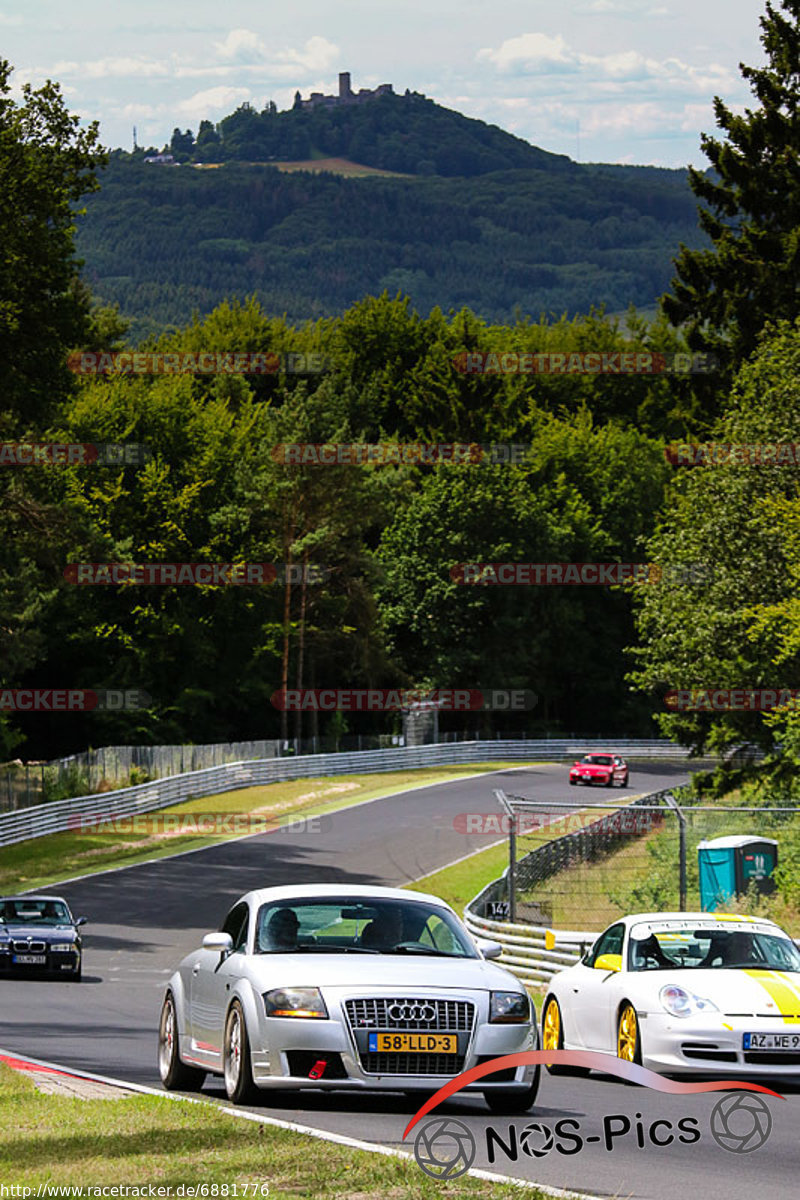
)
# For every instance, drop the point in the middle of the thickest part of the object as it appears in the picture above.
(144, 919)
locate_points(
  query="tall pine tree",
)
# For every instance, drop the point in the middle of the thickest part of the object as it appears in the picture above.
(751, 209)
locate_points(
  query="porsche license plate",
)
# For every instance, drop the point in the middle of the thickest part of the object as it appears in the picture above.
(413, 1043)
(771, 1041)
(30, 960)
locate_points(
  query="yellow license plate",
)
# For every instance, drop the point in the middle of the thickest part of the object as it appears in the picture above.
(414, 1043)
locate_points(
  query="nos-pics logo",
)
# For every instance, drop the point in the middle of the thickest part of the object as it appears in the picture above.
(445, 1148)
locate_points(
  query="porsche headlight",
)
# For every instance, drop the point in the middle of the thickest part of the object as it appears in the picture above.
(510, 1008)
(680, 1003)
(296, 1002)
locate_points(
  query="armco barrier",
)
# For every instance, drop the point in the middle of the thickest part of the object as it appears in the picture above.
(535, 953)
(531, 952)
(60, 815)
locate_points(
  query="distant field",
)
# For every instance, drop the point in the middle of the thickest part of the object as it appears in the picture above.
(339, 166)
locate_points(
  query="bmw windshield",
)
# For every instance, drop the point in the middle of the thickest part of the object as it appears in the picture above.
(352, 925)
(34, 912)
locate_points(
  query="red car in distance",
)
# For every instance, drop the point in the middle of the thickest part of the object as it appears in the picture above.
(600, 766)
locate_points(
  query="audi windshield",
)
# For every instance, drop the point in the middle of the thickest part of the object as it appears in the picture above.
(353, 925)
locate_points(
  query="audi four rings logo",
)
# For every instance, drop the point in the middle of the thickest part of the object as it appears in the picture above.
(412, 1012)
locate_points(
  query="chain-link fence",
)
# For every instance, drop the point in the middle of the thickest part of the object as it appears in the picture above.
(584, 869)
(21, 785)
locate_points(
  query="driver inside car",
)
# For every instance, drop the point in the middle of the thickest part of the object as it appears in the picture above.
(648, 953)
(385, 931)
(281, 931)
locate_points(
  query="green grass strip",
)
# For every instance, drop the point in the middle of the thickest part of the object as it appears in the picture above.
(39, 862)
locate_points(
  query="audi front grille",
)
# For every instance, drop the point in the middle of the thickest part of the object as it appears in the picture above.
(410, 1014)
(412, 1064)
(449, 1016)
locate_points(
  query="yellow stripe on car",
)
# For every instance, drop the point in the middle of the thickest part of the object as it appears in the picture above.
(781, 992)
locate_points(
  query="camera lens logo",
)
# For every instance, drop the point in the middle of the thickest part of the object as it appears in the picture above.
(444, 1148)
(741, 1123)
(536, 1140)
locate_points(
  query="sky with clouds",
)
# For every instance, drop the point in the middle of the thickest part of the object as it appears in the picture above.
(628, 81)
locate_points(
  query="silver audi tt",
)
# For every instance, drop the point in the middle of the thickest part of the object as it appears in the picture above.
(345, 987)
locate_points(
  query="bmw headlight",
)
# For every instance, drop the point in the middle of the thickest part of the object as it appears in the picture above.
(62, 947)
(680, 1003)
(510, 1008)
(295, 1002)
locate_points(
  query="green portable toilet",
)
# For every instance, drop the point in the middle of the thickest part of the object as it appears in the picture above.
(728, 865)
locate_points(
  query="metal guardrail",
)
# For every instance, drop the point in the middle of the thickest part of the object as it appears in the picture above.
(61, 815)
(532, 952)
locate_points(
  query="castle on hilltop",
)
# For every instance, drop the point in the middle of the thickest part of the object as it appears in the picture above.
(346, 94)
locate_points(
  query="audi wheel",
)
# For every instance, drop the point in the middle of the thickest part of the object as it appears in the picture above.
(237, 1067)
(174, 1073)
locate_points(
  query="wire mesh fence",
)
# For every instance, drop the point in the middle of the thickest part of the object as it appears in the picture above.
(21, 785)
(583, 869)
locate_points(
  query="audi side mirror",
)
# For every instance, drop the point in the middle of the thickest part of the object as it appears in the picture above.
(490, 949)
(223, 942)
(80, 921)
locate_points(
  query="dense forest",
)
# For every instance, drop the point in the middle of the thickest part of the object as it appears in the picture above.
(163, 242)
(593, 486)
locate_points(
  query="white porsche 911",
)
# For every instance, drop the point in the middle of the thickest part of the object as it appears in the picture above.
(345, 987)
(683, 993)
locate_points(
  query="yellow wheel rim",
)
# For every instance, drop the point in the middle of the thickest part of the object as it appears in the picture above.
(626, 1035)
(551, 1032)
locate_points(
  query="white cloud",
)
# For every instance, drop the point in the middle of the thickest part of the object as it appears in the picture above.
(529, 52)
(318, 54)
(139, 112)
(246, 48)
(242, 46)
(217, 99)
(117, 68)
(539, 57)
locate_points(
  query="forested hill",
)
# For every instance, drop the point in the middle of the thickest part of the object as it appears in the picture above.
(162, 242)
(409, 134)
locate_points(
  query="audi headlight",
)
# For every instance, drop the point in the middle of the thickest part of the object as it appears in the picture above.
(680, 1003)
(511, 1008)
(295, 1002)
(62, 947)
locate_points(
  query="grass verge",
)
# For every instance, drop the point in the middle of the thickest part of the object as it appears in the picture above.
(40, 861)
(144, 1140)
